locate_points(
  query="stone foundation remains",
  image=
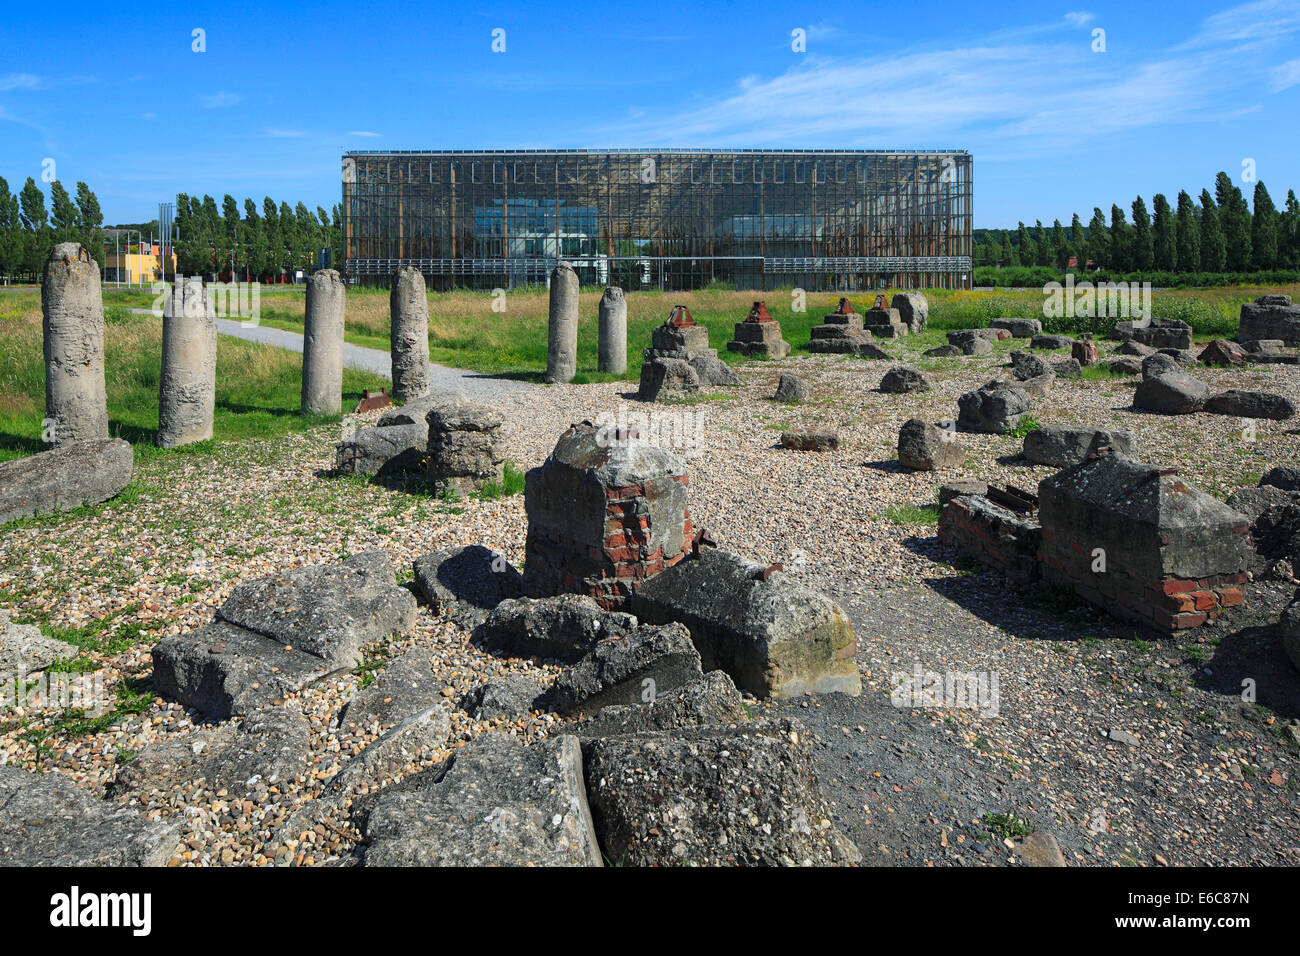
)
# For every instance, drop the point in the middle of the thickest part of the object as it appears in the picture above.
(760, 335)
(1137, 541)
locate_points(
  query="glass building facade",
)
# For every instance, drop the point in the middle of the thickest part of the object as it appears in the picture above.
(673, 219)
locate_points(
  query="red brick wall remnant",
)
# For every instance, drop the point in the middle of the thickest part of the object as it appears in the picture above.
(605, 512)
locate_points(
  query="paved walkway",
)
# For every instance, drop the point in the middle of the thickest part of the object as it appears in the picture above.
(442, 378)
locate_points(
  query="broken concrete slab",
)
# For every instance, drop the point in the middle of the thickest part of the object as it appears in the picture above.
(1062, 445)
(1173, 393)
(627, 669)
(25, 651)
(391, 450)
(47, 820)
(275, 635)
(711, 700)
(774, 636)
(563, 627)
(925, 447)
(712, 796)
(224, 671)
(271, 747)
(74, 474)
(996, 410)
(902, 379)
(810, 439)
(510, 697)
(791, 388)
(1019, 328)
(494, 802)
(1270, 317)
(329, 610)
(466, 583)
(404, 686)
(1247, 404)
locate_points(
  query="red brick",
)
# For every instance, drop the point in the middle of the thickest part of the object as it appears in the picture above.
(1205, 600)
(1231, 597)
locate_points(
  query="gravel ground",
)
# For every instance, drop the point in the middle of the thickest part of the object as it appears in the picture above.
(1210, 779)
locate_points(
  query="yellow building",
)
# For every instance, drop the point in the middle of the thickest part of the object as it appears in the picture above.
(139, 263)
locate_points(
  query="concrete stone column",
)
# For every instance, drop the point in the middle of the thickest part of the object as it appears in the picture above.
(612, 345)
(322, 344)
(409, 342)
(73, 325)
(188, 389)
(562, 330)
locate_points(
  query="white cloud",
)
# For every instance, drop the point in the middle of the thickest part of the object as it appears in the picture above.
(19, 81)
(220, 100)
(1261, 21)
(1078, 18)
(1284, 76)
(363, 132)
(1006, 94)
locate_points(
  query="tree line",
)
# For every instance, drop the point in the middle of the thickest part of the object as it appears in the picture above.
(29, 229)
(265, 245)
(277, 241)
(1215, 234)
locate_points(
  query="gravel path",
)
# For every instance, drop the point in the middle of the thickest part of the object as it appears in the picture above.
(1210, 779)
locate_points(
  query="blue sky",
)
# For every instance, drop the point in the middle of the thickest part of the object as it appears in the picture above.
(114, 94)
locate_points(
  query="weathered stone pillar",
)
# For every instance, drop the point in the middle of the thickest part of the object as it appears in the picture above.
(409, 314)
(562, 330)
(188, 389)
(74, 346)
(322, 344)
(612, 346)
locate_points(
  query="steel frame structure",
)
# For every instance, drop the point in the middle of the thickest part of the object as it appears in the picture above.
(819, 219)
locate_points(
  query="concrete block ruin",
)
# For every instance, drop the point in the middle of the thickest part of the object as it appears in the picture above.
(884, 321)
(1270, 317)
(774, 636)
(409, 334)
(611, 346)
(187, 391)
(322, 343)
(1157, 333)
(72, 310)
(562, 325)
(465, 447)
(679, 359)
(759, 335)
(606, 511)
(999, 528)
(1138, 541)
(842, 332)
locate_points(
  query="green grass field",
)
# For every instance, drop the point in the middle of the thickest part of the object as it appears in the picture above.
(258, 387)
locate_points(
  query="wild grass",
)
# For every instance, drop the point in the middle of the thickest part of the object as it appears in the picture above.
(258, 386)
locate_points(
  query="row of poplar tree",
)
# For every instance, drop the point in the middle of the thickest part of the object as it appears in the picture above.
(29, 229)
(275, 242)
(278, 241)
(1218, 233)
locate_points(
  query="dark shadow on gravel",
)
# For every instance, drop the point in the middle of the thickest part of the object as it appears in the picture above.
(890, 466)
